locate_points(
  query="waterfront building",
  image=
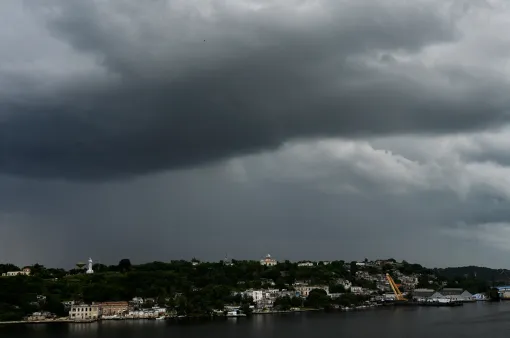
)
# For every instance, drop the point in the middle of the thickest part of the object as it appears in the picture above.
(84, 312)
(389, 297)
(268, 261)
(504, 291)
(37, 316)
(304, 290)
(423, 293)
(480, 296)
(114, 308)
(456, 294)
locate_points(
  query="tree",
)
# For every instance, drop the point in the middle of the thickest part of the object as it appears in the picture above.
(124, 265)
(54, 305)
(318, 299)
(354, 269)
(283, 303)
(8, 267)
(246, 309)
(350, 299)
(336, 288)
(98, 267)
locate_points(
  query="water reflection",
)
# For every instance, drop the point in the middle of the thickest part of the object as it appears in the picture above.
(471, 320)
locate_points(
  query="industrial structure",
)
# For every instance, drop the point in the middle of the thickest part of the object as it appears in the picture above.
(398, 295)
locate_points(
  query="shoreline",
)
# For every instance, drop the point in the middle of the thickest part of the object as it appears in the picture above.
(177, 318)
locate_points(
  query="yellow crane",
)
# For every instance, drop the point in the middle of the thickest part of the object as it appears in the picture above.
(398, 295)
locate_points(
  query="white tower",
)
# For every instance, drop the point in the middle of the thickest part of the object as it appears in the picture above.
(90, 266)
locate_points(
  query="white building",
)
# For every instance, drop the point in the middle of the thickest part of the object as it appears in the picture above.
(307, 264)
(357, 290)
(344, 282)
(268, 261)
(24, 272)
(304, 291)
(389, 297)
(257, 295)
(84, 312)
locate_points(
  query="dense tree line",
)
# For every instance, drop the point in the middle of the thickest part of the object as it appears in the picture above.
(199, 288)
(188, 288)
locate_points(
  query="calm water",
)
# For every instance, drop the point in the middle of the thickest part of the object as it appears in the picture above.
(471, 320)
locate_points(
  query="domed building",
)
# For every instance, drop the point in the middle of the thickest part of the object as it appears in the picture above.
(268, 261)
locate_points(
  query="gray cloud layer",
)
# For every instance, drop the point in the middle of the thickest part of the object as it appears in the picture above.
(180, 83)
(307, 129)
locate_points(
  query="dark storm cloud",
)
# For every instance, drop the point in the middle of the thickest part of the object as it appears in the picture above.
(261, 77)
(330, 199)
(205, 215)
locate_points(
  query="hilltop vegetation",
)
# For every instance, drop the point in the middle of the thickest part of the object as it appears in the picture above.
(498, 276)
(199, 288)
(178, 284)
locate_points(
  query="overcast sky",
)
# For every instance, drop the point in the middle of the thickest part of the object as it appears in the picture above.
(307, 129)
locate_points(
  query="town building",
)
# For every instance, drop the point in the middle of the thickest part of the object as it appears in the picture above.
(305, 264)
(267, 282)
(268, 261)
(382, 262)
(423, 293)
(84, 312)
(455, 294)
(344, 282)
(24, 272)
(389, 297)
(114, 308)
(137, 301)
(302, 282)
(304, 290)
(150, 313)
(449, 294)
(38, 316)
(480, 296)
(363, 275)
(357, 290)
(68, 304)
